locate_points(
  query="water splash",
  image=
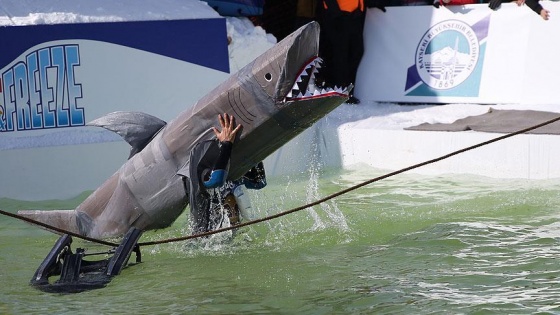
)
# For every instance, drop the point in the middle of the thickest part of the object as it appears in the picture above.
(334, 217)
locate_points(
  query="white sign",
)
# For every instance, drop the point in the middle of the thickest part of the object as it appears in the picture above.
(460, 54)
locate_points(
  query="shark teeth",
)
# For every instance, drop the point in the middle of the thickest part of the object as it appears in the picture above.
(305, 87)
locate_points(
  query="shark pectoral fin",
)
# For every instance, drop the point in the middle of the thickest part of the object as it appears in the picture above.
(62, 219)
(136, 128)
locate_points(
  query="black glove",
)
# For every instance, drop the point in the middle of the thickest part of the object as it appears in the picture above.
(436, 4)
(380, 4)
(494, 4)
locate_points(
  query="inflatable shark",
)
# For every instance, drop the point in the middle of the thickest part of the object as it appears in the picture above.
(274, 98)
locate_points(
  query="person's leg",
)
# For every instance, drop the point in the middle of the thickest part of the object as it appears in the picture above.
(356, 47)
(336, 34)
(356, 51)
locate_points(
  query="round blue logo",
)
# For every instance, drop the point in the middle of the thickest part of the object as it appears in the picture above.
(447, 54)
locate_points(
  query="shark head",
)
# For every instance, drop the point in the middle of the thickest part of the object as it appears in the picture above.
(282, 83)
(287, 72)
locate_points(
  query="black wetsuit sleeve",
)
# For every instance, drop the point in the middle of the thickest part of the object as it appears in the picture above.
(219, 172)
(534, 5)
(223, 157)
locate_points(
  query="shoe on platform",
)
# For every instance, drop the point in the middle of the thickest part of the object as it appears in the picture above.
(353, 100)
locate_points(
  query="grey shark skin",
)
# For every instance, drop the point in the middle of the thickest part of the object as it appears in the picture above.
(273, 98)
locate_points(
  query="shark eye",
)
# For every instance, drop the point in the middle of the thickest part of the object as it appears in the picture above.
(268, 77)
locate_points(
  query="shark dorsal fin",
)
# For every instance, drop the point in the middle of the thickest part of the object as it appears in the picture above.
(136, 128)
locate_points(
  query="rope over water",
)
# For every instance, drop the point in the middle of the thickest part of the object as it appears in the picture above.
(281, 214)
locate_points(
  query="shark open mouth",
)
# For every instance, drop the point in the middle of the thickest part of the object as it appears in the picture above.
(305, 86)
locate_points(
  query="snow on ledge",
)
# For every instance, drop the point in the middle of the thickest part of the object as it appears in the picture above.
(32, 12)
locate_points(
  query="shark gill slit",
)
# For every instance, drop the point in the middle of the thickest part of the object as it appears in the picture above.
(231, 101)
(245, 109)
(236, 108)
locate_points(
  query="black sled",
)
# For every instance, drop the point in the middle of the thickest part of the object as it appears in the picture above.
(76, 273)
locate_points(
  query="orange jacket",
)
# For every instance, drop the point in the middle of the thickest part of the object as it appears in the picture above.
(348, 5)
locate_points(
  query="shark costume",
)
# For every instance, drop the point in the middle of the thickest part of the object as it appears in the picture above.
(275, 99)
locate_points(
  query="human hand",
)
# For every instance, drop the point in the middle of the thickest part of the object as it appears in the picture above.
(545, 14)
(229, 129)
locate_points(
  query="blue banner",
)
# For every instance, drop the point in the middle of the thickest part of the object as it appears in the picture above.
(185, 40)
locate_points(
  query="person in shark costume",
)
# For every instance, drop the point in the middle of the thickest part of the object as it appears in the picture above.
(213, 197)
(275, 99)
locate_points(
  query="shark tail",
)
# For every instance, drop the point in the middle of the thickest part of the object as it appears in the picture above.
(62, 219)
